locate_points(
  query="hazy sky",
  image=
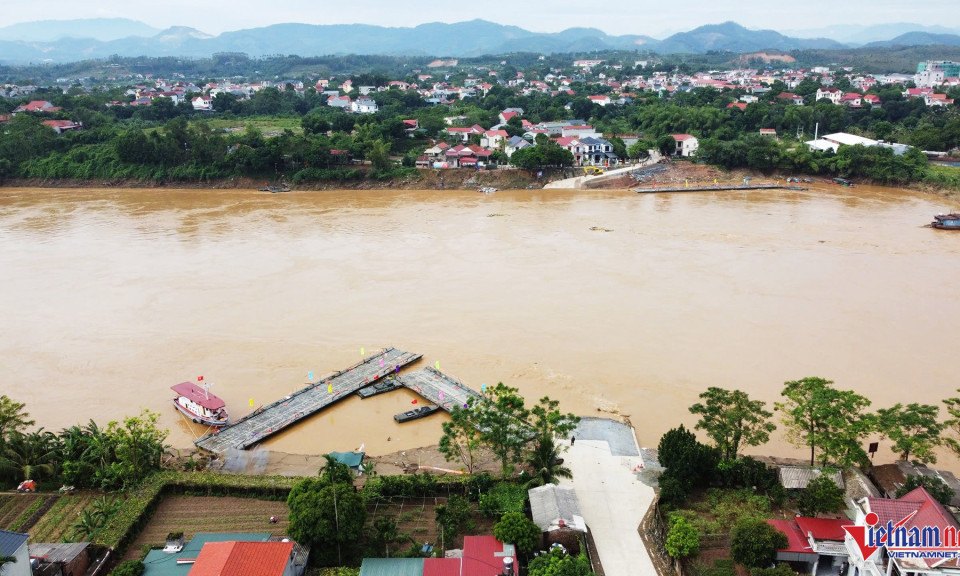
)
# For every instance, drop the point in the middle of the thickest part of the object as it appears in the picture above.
(657, 19)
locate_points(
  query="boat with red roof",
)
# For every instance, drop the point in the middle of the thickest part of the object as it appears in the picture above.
(199, 405)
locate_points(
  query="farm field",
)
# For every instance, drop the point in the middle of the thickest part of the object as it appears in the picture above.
(193, 514)
(417, 518)
(56, 523)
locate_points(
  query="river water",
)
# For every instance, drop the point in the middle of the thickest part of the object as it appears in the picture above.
(109, 297)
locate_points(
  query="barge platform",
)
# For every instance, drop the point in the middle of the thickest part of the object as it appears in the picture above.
(721, 187)
(271, 419)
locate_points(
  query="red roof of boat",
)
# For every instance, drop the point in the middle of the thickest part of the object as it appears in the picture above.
(197, 394)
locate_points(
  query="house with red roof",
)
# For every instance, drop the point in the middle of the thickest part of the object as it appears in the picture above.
(918, 510)
(36, 106)
(244, 559)
(601, 99)
(791, 97)
(817, 543)
(739, 105)
(481, 556)
(493, 138)
(61, 126)
(687, 145)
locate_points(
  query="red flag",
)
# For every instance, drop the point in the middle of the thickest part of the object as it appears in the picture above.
(414, 401)
(199, 378)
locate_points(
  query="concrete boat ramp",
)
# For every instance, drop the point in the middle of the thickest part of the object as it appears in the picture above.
(433, 385)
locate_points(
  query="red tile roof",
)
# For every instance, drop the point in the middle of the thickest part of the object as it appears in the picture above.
(929, 513)
(679, 137)
(796, 542)
(823, 528)
(242, 559)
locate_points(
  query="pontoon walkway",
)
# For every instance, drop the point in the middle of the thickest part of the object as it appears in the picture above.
(268, 420)
(709, 188)
(437, 387)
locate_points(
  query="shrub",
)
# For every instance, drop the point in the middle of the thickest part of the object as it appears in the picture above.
(129, 568)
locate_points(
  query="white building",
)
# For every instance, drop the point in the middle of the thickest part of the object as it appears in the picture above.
(15, 544)
(687, 145)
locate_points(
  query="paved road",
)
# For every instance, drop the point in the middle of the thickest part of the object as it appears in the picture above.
(577, 182)
(612, 498)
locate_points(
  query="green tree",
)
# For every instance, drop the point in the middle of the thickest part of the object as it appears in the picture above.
(953, 424)
(781, 569)
(329, 517)
(549, 421)
(732, 419)
(13, 416)
(667, 145)
(688, 463)
(129, 568)
(454, 517)
(914, 429)
(544, 461)
(683, 538)
(559, 563)
(138, 445)
(335, 472)
(937, 488)
(379, 156)
(461, 440)
(515, 528)
(30, 456)
(500, 416)
(754, 543)
(821, 495)
(817, 415)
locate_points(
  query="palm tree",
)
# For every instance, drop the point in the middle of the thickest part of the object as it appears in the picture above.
(545, 463)
(30, 456)
(7, 560)
(85, 525)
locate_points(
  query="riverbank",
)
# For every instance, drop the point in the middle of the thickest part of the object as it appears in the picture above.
(674, 173)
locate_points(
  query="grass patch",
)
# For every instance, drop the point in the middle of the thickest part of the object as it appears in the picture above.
(717, 511)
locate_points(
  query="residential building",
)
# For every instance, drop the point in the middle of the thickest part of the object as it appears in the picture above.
(36, 106)
(797, 477)
(832, 94)
(515, 143)
(481, 556)
(230, 554)
(15, 544)
(919, 511)
(817, 543)
(889, 478)
(364, 105)
(202, 103)
(687, 145)
(493, 138)
(597, 152)
(339, 102)
(933, 72)
(61, 126)
(60, 559)
(555, 507)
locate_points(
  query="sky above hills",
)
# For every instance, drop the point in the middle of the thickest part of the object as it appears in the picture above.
(656, 19)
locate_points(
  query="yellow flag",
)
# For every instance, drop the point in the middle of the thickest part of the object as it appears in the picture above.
(438, 364)
(329, 387)
(361, 351)
(251, 402)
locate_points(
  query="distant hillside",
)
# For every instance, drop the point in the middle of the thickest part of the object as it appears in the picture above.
(733, 37)
(919, 39)
(102, 29)
(857, 35)
(463, 39)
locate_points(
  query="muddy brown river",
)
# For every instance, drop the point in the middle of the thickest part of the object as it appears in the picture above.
(610, 301)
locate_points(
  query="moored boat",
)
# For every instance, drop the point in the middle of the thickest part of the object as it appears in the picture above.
(946, 221)
(416, 413)
(199, 405)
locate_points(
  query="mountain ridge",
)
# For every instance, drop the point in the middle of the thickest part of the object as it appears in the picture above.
(460, 39)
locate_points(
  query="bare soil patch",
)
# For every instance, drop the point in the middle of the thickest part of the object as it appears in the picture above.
(193, 514)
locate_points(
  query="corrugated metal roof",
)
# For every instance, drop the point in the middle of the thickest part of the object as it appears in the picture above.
(797, 477)
(10, 542)
(58, 552)
(551, 503)
(391, 567)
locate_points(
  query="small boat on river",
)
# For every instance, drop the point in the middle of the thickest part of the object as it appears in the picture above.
(416, 413)
(199, 405)
(946, 221)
